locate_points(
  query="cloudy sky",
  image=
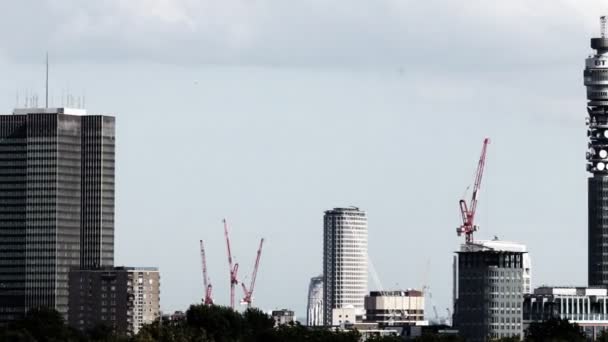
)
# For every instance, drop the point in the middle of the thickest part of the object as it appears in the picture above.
(269, 112)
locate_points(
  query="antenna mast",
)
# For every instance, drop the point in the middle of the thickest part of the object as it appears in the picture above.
(46, 88)
(603, 26)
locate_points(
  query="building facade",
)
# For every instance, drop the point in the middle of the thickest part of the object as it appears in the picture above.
(394, 307)
(596, 81)
(344, 261)
(587, 307)
(314, 309)
(284, 316)
(124, 298)
(489, 291)
(57, 195)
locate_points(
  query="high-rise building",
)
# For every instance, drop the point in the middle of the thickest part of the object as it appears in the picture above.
(57, 212)
(489, 288)
(123, 298)
(314, 309)
(344, 261)
(596, 81)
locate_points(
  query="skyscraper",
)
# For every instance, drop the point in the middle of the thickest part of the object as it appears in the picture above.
(314, 309)
(57, 212)
(491, 278)
(596, 81)
(344, 261)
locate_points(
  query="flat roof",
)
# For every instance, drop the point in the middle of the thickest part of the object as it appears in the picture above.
(57, 110)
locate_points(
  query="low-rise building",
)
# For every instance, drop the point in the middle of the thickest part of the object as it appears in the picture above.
(343, 316)
(123, 298)
(282, 317)
(394, 307)
(585, 306)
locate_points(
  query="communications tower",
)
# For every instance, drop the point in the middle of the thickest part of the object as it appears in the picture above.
(596, 81)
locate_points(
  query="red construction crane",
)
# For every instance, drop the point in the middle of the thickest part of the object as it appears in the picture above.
(208, 300)
(248, 298)
(468, 211)
(233, 269)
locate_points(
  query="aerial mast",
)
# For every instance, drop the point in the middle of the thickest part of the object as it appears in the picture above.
(248, 298)
(468, 211)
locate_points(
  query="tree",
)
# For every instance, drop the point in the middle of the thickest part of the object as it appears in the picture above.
(389, 338)
(554, 330)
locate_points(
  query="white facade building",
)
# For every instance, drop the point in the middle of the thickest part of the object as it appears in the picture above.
(587, 307)
(314, 311)
(344, 261)
(395, 307)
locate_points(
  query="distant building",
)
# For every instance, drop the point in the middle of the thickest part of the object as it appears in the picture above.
(490, 278)
(343, 316)
(282, 317)
(57, 195)
(124, 298)
(584, 306)
(314, 310)
(344, 261)
(394, 307)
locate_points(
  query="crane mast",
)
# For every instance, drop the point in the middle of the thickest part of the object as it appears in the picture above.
(208, 300)
(232, 268)
(468, 211)
(248, 293)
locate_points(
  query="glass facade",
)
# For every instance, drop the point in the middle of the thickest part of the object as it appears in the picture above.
(50, 173)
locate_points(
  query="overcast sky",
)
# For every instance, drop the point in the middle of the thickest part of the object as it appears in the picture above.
(270, 112)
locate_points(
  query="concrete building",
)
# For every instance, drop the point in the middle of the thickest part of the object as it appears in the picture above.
(57, 195)
(489, 288)
(395, 307)
(343, 316)
(124, 298)
(584, 306)
(344, 260)
(284, 316)
(596, 81)
(314, 310)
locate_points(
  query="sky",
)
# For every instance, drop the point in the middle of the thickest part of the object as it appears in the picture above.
(269, 112)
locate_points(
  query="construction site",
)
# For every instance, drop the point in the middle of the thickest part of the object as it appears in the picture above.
(233, 280)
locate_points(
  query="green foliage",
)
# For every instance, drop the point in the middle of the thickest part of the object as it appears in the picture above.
(603, 336)
(391, 338)
(554, 330)
(431, 337)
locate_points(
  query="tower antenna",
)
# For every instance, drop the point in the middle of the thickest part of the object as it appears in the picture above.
(603, 26)
(46, 88)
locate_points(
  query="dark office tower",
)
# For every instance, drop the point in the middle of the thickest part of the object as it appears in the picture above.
(52, 206)
(97, 235)
(596, 81)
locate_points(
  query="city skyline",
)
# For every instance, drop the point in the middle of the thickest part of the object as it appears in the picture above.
(229, 148)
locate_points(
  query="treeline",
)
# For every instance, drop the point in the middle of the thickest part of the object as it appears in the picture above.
(222, 324)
